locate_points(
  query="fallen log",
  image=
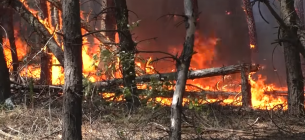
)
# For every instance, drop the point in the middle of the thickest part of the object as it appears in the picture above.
(232, 69)
(85, 25)
(39, 27)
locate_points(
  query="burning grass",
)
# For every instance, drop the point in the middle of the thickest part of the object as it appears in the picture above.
(111, 120)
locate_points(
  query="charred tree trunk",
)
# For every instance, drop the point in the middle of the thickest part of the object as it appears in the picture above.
(45, 57)
(251, 24)
(292, 60)
(11, 37)
(5, 90)
(72, 104)
(127, 53)
(245, 88)
(110, 23)
(182, 70)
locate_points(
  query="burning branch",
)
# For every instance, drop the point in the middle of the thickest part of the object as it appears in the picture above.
(39, 27)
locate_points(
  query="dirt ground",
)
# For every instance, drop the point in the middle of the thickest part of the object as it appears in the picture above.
(112, 121)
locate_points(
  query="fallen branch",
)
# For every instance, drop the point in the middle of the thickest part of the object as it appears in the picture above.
(232, 69)
(39, 27)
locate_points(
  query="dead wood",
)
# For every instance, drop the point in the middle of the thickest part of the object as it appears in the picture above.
(40, 28)
(210, 72)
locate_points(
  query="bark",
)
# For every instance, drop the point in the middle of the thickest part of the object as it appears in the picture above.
(11, 37)
(127, 52)
(110, 22)
(292, 61)
(182, 70)
(85, 25)
(5, 91)
(72, 104)
(251, 24)
(46, 59)
(210, 72)
(39, 27)
(245, 89)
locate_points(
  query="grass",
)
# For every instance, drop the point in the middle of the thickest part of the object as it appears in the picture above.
(102, 121)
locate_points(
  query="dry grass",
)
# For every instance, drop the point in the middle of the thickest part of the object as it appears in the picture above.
(103, 121)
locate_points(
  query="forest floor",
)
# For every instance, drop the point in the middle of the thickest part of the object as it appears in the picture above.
(111, 121)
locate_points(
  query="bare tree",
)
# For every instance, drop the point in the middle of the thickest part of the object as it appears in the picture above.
(5, 90)
(127, 53)
(45, 57)
(72, 104)
(110, 22)
(182, 67)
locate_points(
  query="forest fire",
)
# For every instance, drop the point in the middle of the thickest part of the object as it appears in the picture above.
(202, 59)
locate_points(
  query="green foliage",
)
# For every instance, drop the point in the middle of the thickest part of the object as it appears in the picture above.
(133, 25)
(194, 104)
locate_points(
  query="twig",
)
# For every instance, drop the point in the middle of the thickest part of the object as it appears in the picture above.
(9, 135)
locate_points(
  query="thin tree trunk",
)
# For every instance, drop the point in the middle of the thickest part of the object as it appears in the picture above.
(300, 11)
(11, 37)
(245, 88)
(292, 60)
(182, 70)
(72, 104)
(5, 90)
(127, 53)
(110, 23)
(251, 24)
(46, 59)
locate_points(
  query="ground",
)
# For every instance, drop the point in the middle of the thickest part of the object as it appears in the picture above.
(112, 121)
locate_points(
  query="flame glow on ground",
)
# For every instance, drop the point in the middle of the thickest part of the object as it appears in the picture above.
(203, 58)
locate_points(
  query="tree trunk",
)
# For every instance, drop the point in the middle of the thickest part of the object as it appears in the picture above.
(251, 24)
(5, 91)
(39, 27)
(11, 37)
(182, 70)
(46, 59)
(245, 88)
(292, 60)
(127, 53)
(110, 22)
(72, 104)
